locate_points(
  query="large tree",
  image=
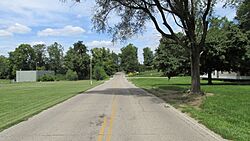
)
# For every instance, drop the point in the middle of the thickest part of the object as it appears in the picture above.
(148, 57)
(190, 15)
(55, 57)
(77, 60)
(237, 50)
(104, 58)
(23, 58)
(171, 58)
(4, 67)
(213, 55)
(40, 56)
(129, 58)
(243, 15)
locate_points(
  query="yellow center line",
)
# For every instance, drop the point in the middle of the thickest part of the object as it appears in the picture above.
(104, 124)
(101, 133)
(111, 119)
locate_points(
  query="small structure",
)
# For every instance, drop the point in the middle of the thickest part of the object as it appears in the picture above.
(230, 76)
(31, 76)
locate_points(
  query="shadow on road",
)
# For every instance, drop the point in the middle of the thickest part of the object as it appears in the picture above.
(136, 92)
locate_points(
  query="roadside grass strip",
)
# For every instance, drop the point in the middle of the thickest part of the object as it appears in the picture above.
(224, 109)
(19, 101)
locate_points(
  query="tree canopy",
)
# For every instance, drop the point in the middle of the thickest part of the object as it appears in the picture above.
(22, 59)
(55, 57)
(106, 59)
(4, 67)
(77, 59)
(243, 15)
(171, 58)
(40, 56)
(129, 58)
(148, 57)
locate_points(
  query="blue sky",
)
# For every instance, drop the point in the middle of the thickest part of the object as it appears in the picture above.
(47, 21)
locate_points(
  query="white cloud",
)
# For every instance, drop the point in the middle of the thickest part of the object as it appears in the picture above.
(16, 28)
(43, 12)
(38, 43)
(4, 33)
(115, 47)
(66, 31)
(99, 44)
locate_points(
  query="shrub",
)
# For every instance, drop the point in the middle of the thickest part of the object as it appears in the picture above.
(71, 75)
(60, 77)
(47, 77)
(99, 73)
(131, 74)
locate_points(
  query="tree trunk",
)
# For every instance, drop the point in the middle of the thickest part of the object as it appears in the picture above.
(209, 76)
(195, 69)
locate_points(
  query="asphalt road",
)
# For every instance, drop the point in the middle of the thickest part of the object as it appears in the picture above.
(113, 111)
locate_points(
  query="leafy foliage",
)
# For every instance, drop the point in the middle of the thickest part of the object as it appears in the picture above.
(4, 67)
(77, 60)
(172, 59)
(99, 73)
(213, 55)
(108, 60)
(22, 59)
(55, 58)
(148, 57)
(47, 77)
(40, 56)
(237, 51)
(71, 75)
(243, 15)
(129, 58)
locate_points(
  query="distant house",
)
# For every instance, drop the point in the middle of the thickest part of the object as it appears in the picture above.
(220, 75)
(30, 76)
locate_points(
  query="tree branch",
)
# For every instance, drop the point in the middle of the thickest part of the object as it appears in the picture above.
(163, 17)
(205, 23)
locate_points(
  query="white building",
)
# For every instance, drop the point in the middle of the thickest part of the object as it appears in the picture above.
(226, 76)
(30, 76)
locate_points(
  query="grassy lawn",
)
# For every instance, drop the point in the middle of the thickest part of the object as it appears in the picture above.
(18, 101)
(152, 73)
(226, 110)
(4, 81)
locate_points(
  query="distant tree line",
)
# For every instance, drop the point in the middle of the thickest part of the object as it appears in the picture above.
(41, 57)
(74, 64)
(226, 48)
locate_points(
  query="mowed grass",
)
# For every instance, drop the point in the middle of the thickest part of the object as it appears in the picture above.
(19, 101)
(5, 81)
(152, 73)
(227, 111)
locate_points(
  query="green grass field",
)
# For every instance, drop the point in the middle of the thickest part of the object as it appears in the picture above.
(152, 73)
(5, 81)
(227, 111)
(18, 101)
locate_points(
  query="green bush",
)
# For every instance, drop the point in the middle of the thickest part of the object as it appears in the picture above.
(71, 75)
(99, 73)
(60, 77)
(131, 74)
(47, 77)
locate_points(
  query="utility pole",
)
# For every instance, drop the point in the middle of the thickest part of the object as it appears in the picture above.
(90, 70)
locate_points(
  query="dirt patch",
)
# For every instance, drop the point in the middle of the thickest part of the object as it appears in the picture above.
(180, 99)
(209, 94)
(196, 101)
